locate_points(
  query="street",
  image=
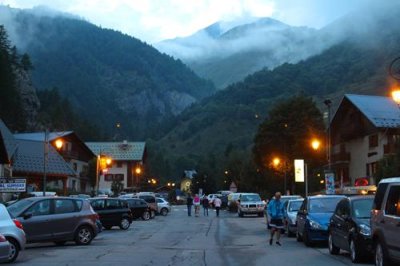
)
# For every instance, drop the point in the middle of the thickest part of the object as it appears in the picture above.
(177, 239)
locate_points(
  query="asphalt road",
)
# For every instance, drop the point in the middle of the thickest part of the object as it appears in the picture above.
(181, 240)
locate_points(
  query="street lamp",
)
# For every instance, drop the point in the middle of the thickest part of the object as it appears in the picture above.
(46, 147)
(315, 144)
(102, 163)
(396, 96)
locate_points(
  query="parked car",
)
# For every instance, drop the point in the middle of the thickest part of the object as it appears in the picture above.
(385, 222)
(139, 208)
(349, 227)
(56, 219)
(112, 212)
(313, 218)
(163, 206)
(291, 209)
(5, 249)
(13, 231)
(150, 198)
(250, 203)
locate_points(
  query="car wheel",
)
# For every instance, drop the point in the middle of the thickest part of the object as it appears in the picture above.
(84, 235)
(306, 239)
(60, 243)
(381, 258)
(152, 214)
(298, 237)
(355, 253)
(334, 250)
(124, 224)
(14, 249)
(164, 211)
(146, 216)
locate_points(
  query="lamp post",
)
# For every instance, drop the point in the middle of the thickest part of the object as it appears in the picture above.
(315, 144)
(328, 103)
(101, 163)
(46, 147)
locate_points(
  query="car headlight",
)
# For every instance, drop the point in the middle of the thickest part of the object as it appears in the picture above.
(315, 225)
(293, 220)
(365, 230)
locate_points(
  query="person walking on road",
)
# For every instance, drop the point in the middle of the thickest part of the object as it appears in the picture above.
(189, 203)
(205, 204)
(275, 213)
(196, 202)
(217, 205)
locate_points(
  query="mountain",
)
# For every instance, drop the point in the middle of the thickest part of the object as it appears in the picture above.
(225, 124)
(228, 53)
(110, 78)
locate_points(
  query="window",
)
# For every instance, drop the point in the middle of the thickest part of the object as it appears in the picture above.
(112, 204)
(393, 201)
(75, 165)
(119, 177)
(98, 205)
(380, 194)
(159, 201)
(148, 199)
(64, 206)
(40, 208)
(108, 177)
(373, 141)
(119, 164)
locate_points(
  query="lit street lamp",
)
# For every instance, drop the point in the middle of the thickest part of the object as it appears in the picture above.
(102, 163)
(315, 144)
(46, 148)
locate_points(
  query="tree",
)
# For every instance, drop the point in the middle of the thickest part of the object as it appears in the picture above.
(287, 132)
(116, 187)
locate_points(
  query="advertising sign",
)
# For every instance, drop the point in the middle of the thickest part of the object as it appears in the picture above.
(330, 183)
(299, 170)
(12, 185)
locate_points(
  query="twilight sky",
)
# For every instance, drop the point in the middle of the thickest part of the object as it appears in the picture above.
(156, 20)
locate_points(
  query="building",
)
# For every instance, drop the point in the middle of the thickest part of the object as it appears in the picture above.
(363, 130)
(67, 167)
(128, 164)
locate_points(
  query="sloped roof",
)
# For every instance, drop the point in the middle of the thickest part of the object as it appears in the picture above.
(8, 144)
(39, 136)
(381, 111)
(29, 158)
(119, 151)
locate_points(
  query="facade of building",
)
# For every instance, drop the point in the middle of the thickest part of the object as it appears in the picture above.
(363, 130)
(127, 164)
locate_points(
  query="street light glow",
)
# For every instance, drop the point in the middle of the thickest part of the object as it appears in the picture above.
(315, 143)
(396, 95)
(138, 170)
(276, 161)
(59, 143)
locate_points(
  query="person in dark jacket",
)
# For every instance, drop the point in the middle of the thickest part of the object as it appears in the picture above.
(189, 203)
(205, 203)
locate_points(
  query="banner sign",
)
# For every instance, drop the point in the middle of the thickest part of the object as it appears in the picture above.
(12, 185)
(330, 183)
(299, 170)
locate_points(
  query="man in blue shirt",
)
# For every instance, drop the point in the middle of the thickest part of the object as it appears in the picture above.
(275, 213)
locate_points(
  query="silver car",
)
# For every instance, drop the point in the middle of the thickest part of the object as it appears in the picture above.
(13, 232)
(163, 206)
(250, 203)
(57, 219)
(291, 209)
(4, 249)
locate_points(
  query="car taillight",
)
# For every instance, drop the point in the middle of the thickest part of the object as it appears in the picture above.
(2, 238)
(97, 216)
(18, 224)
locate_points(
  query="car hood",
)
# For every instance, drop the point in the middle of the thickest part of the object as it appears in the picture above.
(321, 218)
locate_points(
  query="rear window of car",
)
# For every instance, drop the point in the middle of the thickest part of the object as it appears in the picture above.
(380, 194)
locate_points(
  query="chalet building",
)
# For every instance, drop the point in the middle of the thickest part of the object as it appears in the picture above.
(363, 130)
(68, 166)
(127, 166)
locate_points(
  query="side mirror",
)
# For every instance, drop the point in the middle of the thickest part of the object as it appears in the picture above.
(27, 215)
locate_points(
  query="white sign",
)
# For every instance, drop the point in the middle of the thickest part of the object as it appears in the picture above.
(330, 183)
(12, 185)
(299, 170)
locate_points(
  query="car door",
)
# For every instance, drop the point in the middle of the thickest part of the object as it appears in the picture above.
(344, 225)
(113, 211)
(391, 222)
(302, 217)
(98, 206)
(336, 223)
(65, 218)
(36, 221)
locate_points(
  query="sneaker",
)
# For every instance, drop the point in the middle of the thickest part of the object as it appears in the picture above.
(279, 244)
(270, 241)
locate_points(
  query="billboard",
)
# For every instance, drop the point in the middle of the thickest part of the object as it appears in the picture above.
(299, 170)
(330, 183)
(12, 185)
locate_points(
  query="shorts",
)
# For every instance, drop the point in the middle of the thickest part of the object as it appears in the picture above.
(276, 223)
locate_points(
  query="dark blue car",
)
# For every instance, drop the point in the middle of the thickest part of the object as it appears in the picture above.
(313, 218)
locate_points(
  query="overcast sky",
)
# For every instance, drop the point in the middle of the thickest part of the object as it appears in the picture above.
(156, 20)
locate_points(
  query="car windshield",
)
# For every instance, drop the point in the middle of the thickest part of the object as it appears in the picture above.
(323, 205)
(362, 208)
(294, 206)
(16, 208)
(250, 198)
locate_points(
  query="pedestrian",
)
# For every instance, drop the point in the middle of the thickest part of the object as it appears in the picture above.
(189, 203)
(205, 203)
(275, 213)
(217, 205)
(196, 202)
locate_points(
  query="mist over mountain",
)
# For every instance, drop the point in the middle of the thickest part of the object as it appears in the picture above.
(107, 76)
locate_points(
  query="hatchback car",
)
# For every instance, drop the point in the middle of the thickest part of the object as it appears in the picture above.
(139, 208)
(291, 209)
(112, 212)
(349, 227)
(12, 230)
(313, 218)
(385, 222)
(163, 206)
(57, 219)
(4, 249)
